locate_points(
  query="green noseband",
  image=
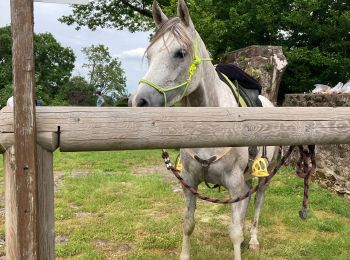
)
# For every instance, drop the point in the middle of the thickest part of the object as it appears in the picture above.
(191, 71)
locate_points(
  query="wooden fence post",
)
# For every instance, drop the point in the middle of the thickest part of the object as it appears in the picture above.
(11, 223)
(25, 174)
(45, 214)
(46, 217)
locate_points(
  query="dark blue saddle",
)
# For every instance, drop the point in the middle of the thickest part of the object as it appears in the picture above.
(247, 88)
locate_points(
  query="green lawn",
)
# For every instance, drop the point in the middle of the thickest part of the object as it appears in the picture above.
(121, 205)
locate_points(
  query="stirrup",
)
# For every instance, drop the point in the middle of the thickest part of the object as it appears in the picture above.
(259, 168)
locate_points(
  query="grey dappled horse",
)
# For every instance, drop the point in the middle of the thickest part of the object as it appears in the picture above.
(180, 70)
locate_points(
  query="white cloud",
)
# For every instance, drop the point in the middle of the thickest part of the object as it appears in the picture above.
(134, 53)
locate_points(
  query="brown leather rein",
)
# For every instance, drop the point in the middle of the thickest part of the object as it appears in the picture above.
(306, 167)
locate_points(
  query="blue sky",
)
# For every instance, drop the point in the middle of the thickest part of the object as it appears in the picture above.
(129, 47)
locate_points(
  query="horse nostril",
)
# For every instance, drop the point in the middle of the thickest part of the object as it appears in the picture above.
(142, 102)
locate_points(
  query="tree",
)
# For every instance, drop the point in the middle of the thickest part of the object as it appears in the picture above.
(105, 72)
(53, 65)
(131, 14)
(78, 92)
(314, 34)
(5, 65)
(5, 93)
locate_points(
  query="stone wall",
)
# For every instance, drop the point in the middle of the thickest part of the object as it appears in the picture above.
(333, 161)
(265, 63)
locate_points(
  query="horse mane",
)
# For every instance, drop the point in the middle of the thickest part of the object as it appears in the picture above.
(177, 29)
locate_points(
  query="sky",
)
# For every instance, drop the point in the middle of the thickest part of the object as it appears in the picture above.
(128, 47)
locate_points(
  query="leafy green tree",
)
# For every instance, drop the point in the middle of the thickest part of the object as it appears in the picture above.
(5, 93)
(105, 72)
(5, 61)
(131, 14)
(53, 65)
(314, 34)
(78, 92)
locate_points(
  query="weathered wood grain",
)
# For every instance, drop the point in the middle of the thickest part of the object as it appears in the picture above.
(47, 140)
(22, 27)
(95, 129)
(11, 209)
(14, 228)
(46, 216)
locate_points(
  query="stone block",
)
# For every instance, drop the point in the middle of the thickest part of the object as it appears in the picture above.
(333, 161)
(265, 63)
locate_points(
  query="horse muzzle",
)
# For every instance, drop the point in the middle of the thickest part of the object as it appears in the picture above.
(146, 97)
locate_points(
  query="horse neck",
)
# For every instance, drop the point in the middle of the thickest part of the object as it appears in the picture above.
(210, 91)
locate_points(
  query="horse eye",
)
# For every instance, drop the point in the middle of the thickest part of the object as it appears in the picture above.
(180, 54)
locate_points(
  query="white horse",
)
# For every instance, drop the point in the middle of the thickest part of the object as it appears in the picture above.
(179, 70)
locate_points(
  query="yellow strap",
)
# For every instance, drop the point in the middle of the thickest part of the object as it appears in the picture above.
(240, 100)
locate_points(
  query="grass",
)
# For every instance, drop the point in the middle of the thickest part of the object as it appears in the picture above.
(120, 205)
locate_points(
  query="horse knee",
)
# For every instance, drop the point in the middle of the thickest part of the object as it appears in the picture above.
(189, 225)
(236, 233)
(189, 222)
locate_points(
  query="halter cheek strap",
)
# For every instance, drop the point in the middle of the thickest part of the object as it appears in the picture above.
(191, 71)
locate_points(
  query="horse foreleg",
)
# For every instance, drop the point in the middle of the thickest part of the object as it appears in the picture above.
(259, 201)
(236, 228)
(248, 186)
(189, 223)
(238, 213)
(254, 243)
(273, 153)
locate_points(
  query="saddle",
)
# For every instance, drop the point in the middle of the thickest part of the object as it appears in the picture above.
(246, 91)
(244, 87)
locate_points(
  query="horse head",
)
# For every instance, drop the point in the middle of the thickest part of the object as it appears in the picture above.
(174, 57)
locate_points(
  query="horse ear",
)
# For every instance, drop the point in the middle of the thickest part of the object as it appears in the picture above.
(158, 15)
(183, 13)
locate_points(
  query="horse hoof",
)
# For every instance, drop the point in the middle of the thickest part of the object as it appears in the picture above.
(254, 247)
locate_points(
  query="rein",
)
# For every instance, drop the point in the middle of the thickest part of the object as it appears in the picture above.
(191, 71)
(303, 169)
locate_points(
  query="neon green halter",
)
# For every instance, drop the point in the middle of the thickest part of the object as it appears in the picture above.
(191, 71)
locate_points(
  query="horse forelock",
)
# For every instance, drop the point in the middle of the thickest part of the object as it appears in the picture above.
(177, 29)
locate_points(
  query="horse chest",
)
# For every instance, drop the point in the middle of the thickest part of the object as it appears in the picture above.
(199, 166)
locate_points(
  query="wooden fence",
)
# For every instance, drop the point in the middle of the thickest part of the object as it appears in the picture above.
(29, 136)
(100, 129)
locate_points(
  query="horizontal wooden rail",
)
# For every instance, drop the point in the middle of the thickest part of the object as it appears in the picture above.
(47, 140)
(97, 129)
